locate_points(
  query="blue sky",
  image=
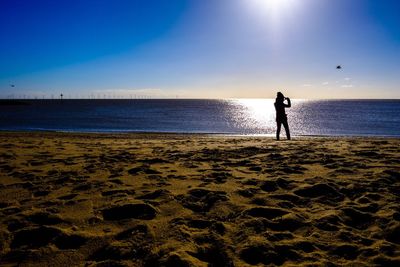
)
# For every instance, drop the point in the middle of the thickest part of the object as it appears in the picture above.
(200, 48)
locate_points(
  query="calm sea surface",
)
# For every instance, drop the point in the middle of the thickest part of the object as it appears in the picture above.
(241, 116)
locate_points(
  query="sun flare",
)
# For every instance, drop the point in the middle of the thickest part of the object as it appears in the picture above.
(274, 5)
(275, 14)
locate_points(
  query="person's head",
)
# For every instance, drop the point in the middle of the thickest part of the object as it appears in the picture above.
(280, 97)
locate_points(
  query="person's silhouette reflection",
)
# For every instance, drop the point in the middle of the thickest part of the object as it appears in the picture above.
(281, 117)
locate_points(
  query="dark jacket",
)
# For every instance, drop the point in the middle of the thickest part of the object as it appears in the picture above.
(280, 109)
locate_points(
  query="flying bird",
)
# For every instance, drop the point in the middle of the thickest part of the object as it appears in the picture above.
(338, 67)
(12, 85)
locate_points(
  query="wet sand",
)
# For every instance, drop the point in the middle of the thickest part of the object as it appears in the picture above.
(197, 200)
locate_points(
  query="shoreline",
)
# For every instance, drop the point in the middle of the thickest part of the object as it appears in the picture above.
(188, 134)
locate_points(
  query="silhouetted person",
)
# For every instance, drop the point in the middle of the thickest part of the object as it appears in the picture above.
(281, 117)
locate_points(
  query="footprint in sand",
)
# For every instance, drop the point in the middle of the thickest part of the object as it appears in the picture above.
(268, 213)
(256, 253)
(133, 243)
(130, 211)
(44, 218)
(36, 237)
(160, 193)
(319, 190)
(201, 200)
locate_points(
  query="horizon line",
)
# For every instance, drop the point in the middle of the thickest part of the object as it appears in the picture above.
(181, 98)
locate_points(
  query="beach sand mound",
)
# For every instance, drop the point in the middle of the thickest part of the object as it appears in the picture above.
(196, 200)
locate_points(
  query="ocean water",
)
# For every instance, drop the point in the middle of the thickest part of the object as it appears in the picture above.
(236, 116)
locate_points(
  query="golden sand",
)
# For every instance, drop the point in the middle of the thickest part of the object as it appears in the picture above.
(197, 200)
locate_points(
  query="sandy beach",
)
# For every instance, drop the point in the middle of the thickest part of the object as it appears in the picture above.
(198, 200)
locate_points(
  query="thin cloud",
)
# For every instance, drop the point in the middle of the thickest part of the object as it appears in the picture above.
(325, 83)
(307, 85)
(129, 91)
(347, 86)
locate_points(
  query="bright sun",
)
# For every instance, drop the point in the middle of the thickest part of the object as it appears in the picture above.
(275, 11)
(275, 4)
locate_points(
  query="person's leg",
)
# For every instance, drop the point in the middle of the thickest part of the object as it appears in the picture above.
(286, 125)
(278, 129)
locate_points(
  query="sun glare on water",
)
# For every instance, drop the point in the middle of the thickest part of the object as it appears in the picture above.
(256, 114)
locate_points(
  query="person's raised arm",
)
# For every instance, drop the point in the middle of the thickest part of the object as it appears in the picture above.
(288, 105)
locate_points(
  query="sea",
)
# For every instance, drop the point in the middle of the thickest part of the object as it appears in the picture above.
(224, 116)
